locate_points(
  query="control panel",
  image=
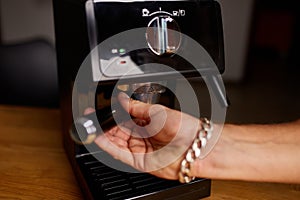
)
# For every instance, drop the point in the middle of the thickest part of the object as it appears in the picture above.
(129, 35)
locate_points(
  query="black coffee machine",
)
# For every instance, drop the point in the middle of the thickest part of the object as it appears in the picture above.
(123, 45)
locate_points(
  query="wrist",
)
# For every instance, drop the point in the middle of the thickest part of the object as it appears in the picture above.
(228, 159)
(215, 164)
(194, 152)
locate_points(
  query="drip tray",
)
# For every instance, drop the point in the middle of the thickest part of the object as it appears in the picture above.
(106, 183)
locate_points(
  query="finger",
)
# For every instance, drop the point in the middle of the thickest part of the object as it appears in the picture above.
(137, 145)
(117, 141)
(135, 108)
(88, 111)
(119, 132)
(130, 128)
(134, 124)
(141, 122)
(122, 154)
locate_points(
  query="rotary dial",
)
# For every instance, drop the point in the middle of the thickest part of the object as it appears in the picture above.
(163, 35)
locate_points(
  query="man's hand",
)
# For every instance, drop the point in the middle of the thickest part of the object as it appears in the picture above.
(155, 141)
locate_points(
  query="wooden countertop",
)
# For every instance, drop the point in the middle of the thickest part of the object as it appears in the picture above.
(33, 164)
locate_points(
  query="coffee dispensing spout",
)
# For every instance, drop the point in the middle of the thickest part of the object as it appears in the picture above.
(85, 129)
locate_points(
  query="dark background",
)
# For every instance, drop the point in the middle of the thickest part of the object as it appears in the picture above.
(270, 89)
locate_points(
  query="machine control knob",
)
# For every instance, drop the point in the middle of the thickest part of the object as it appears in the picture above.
(163, 35)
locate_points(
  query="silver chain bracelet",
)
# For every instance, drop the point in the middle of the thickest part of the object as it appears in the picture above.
(194, 152)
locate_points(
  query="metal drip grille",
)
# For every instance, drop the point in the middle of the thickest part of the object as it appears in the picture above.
(111, 184)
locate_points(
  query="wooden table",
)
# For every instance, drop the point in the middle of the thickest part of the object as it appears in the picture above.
(33, 164)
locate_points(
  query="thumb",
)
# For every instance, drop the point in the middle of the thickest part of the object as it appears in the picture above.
(135, 108)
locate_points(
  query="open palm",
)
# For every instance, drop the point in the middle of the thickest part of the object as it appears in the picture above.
(155, 141)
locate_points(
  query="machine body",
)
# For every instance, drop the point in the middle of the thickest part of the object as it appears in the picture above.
(83, 28)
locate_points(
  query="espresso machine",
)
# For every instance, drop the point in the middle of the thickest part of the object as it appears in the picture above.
(144, 49)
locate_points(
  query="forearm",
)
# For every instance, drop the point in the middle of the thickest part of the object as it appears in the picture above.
(254, 152)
